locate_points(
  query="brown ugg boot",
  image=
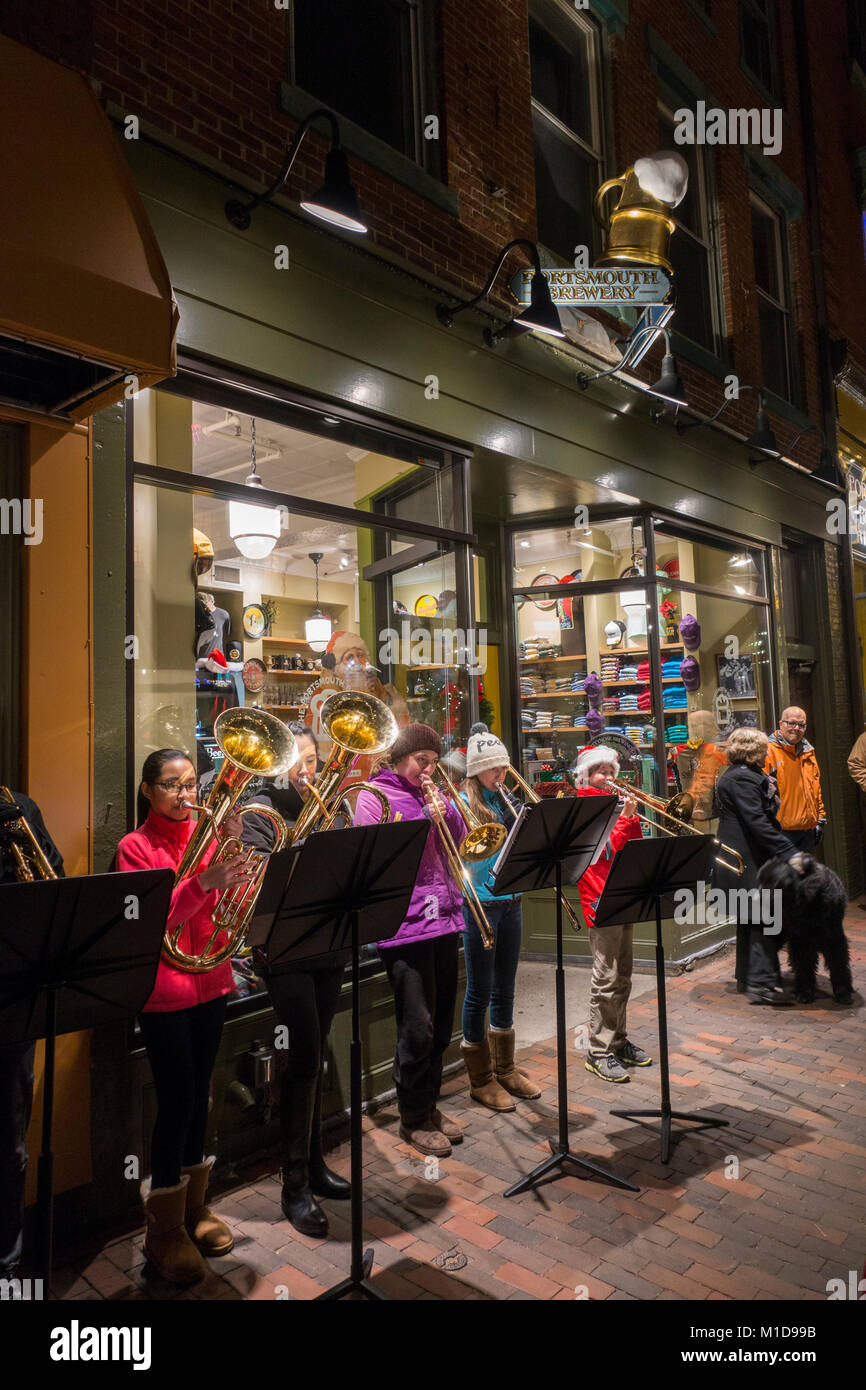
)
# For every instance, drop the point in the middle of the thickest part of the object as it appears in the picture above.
(483, 1086)
(211, 1235)
(424, 1136)
(166, 1243)
(514, 1081)
(450, 1128)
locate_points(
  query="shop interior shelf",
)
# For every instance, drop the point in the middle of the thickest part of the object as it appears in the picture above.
(285, 641)
(538, 660)
(555, 695)
(431, 666)
(639, 651)
(306, 674)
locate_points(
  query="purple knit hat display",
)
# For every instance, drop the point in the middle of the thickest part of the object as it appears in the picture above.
(594, 722)
(594, 690)
(690, 673)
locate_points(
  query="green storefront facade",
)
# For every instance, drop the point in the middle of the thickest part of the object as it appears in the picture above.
(342, 330)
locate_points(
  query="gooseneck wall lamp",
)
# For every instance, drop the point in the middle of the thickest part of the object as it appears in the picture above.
(669, 386)
(762, 437)
(541, 313)
(336, 201)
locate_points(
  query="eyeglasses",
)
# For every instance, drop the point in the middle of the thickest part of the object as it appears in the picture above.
(174, 785)
(795, 723)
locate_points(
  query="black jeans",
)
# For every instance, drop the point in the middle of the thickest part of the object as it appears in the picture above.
(423, 976)
(803, 839)
(182, 1046)
(16, 1099)
(305, 1001)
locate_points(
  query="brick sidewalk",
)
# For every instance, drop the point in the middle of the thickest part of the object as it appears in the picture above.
(791, 1082)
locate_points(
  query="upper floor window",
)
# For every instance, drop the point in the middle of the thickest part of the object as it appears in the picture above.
(566, 121)
(692, 251)
(857, 32)
(758, 43)
(370, 72)
(774, 298)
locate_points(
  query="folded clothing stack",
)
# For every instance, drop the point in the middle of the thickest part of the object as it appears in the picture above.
(645, 700)
(670, 670)
(676, 733)
(527, 718)
(642, 671)
(531, 685)
(609, 668)
(628, 671)
(628, 700)
(675, 698)
(531, 648)
(543, 718)
(610, 702)
(634, 732)
(562, 721)
(649, 734)
(577, 682)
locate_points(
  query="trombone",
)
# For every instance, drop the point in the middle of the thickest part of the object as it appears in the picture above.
(459, 873)
(533, 798)
(31, 861)
(483, 838)
(677, 811)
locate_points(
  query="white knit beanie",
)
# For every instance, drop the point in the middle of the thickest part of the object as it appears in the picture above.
(594, 757)
(484, 751)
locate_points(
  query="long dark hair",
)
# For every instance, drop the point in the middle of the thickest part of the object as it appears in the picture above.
(152, 767)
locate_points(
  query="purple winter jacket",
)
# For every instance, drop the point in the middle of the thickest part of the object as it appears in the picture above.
(436, 905)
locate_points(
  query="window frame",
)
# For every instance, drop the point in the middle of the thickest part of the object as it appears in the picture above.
(765, 11)
(709, 211)
(540, 12)
(421, 81)
(759, 200)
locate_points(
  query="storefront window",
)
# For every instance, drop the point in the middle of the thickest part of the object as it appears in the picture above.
(220, 623)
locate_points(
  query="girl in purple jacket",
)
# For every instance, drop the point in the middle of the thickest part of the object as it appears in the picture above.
(421, 959)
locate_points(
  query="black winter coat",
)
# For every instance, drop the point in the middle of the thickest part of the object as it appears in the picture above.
(746, 804)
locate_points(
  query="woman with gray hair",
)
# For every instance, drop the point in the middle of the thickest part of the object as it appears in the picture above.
(747, 803)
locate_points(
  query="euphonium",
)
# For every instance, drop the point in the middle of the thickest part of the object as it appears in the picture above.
(31, 861)
(253, 744)
(357, 723)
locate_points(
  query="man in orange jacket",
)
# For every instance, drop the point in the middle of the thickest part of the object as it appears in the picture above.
(792, 764)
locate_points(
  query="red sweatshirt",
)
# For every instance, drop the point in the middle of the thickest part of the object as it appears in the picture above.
(590, 885)
(159, 844)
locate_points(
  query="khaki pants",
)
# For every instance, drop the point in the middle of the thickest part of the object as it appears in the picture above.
(610, 988)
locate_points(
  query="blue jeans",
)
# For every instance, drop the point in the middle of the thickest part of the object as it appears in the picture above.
(490, 975)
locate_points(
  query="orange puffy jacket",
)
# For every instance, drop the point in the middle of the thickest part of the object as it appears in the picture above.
(801, 806)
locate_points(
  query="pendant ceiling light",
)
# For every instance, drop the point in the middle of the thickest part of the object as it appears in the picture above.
(254, 529)
(317, 628)
(336, 201)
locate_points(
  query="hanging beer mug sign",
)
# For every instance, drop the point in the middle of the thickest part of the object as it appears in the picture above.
(639, 227)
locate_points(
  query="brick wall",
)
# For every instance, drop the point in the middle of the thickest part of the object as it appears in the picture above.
(207, 72)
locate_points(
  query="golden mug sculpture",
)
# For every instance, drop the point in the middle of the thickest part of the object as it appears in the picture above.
(640, 226)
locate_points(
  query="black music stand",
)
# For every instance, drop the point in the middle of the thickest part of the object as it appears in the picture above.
(71, 958)
(640, 888)
(340, 888)
(552, 840)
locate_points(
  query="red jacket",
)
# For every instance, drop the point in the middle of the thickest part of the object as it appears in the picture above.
(159, 844)
(591, 883)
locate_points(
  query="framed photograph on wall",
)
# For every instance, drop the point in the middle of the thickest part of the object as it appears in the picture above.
(737, 677)
(744, 719)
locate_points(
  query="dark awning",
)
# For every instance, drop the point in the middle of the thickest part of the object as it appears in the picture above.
(85, 298)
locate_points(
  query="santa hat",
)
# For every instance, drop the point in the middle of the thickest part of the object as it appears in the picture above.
(339, 645)
(594, 757)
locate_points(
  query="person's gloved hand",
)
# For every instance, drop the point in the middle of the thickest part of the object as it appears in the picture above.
(798, 862)
(819, 831)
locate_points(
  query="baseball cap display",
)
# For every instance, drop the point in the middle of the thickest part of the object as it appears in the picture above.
(690, 632)
(690, 673)
(614, 632)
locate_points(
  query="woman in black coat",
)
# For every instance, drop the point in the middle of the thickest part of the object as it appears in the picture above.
(746, 804)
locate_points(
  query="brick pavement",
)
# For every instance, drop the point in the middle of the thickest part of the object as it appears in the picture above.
(770, 1208)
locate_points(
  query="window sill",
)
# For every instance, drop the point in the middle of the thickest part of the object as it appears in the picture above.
(777, 405)
(298, 103)
(699, 356)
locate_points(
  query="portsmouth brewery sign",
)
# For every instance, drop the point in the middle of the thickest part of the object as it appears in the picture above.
(598, 285)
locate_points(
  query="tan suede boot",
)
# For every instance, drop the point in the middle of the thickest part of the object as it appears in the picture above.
(211, 1235)
(424, 1136)
(166, 1243)
(483, 1086)
(514, 1081)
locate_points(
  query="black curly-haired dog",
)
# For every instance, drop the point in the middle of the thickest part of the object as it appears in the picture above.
(813, 908)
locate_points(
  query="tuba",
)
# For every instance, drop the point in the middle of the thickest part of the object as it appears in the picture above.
(356, 723)
(31, 861)
(253, 744)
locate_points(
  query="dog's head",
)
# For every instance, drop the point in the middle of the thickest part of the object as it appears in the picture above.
(781, 873)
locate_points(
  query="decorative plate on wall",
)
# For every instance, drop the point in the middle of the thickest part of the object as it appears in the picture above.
(545, 580)
(426, 606)
(253, 674)
(254, 620)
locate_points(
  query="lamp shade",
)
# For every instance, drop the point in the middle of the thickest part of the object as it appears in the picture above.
(669, 386)
(542, 314)
(317, 630)
(763, 437)
(254, 529)
(336, 201)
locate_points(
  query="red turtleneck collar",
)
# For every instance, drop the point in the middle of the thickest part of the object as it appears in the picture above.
(164, 828)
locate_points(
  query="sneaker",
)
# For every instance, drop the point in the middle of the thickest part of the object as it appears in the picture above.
(634, 1056)
(771, 995)
(608, 1067)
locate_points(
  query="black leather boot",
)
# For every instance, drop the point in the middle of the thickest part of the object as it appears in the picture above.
(323, 1181)
(298, 1100)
